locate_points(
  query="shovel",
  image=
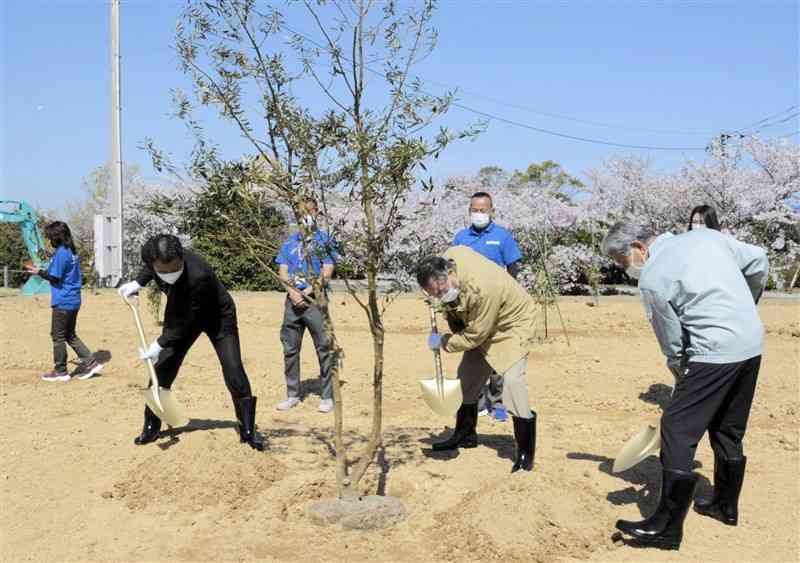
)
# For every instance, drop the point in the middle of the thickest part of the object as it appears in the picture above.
(645, 443)
(161, 401)
(442, 395)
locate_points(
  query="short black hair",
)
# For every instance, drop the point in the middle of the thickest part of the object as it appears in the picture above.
(432, 267)
(58, 234)
(708, 214)
(164, 248)
(487, 195)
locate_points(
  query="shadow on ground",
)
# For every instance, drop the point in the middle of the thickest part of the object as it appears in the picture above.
(645, 478)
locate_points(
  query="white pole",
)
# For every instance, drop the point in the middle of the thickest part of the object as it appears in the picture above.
(116, 148)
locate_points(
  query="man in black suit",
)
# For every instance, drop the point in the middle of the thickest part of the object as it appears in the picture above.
(196, 303)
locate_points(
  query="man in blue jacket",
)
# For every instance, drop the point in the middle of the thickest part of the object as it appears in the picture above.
(497, 244)
(298, 261)
(700, 291)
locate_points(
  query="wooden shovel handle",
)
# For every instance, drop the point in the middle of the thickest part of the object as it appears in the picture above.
(143, 342)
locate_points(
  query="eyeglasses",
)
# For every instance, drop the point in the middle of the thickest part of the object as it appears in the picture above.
(437, 285)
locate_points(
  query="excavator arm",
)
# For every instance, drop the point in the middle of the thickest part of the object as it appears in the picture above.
(23, 214)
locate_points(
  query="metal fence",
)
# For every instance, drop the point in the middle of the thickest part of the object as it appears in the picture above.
(9, 279)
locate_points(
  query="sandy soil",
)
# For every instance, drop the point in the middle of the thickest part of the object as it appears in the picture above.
(74, 487)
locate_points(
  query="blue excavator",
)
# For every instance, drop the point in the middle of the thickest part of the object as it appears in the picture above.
(23, 214)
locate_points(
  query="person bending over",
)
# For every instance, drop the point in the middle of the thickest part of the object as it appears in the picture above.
(197, 303)
(498, 320)
(700, 291)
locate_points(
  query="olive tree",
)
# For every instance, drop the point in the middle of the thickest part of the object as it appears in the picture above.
(360, 152)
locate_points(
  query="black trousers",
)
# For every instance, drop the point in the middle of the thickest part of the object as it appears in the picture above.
(62, 331)
(230, 358)
(713, 397)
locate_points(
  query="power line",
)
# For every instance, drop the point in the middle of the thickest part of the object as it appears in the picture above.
(566, 117)
(579, 120)
(769, 117)
(790, 117)
(528, 126)
(572, 137)
(555, 115)
(613, 126)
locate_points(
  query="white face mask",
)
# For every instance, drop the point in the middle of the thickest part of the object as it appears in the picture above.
(308, 221)
(634, 270)
(170, 277)
(480, 220)
(450, 295)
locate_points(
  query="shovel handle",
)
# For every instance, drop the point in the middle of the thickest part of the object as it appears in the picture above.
(432, 309)
(143, 343)
(437, 355)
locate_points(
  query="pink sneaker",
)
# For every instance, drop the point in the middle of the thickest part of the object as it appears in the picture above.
(56, 376)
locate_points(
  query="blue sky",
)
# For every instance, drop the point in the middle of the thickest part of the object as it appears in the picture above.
(653, 73)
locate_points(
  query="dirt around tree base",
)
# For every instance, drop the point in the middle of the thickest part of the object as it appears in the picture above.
(366, 513)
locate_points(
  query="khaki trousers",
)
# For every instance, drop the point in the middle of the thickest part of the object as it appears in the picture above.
(474, 371)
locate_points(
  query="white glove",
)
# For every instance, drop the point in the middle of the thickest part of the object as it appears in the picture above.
(152, 352)
(128, 289)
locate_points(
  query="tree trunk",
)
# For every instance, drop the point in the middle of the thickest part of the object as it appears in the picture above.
(375, 437)
(375, 322)
(342, 480)
(794, 280)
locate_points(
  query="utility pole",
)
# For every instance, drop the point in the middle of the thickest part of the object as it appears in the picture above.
(116, 150)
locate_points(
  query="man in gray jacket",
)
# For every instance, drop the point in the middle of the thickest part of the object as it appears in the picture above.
(700, 291)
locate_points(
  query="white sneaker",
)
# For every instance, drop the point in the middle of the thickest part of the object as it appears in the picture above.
(483, 412)
(288, 404)
(92, 368)
(56, 376)
(326, 405)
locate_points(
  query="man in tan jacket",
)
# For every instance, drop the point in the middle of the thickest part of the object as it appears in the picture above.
(492, 318)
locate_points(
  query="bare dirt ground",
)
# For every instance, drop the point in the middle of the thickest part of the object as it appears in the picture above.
(74, 487)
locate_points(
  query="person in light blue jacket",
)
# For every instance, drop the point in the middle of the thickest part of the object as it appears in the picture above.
(700, 290)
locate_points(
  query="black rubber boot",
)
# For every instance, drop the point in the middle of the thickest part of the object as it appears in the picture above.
(664, 529)
(237, 407)
(525, 436)
(151, 430)
(246, 413)
(464, 436)
(724, 504)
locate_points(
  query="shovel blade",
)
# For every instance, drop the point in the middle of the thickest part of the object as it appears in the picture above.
(443, 398)
(171, 411)
(645, 443)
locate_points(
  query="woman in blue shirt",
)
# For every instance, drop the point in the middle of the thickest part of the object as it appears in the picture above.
(64, 275)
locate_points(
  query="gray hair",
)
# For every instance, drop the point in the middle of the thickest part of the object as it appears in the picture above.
(433, 267)
(619, 238)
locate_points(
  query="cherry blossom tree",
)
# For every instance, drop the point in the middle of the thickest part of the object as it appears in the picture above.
(753, 185)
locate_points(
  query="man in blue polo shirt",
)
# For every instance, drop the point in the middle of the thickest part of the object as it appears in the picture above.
(299, 312)
(498, 245)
